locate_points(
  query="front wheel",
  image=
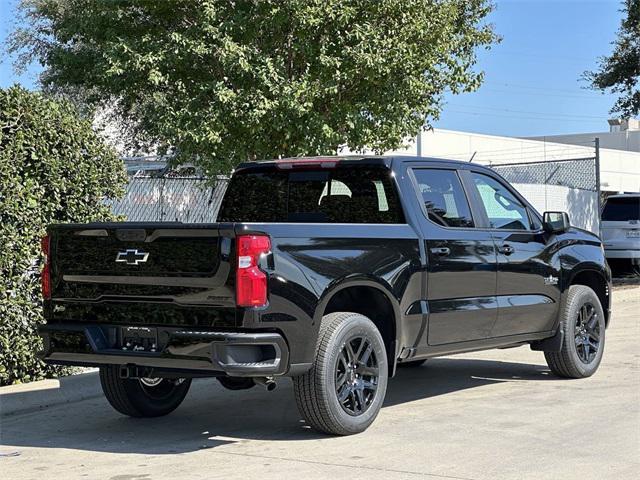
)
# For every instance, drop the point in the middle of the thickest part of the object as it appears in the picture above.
(582, 320)
(343, 391)
(144, 397)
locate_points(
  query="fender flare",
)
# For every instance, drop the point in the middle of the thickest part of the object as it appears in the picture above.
(364, 281)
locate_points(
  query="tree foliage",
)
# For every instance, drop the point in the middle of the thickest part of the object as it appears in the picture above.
(620, 71)
(222, 82)
(53, 168)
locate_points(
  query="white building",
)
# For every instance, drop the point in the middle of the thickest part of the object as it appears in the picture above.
(623, 134)
(619, 164)
(619, 169)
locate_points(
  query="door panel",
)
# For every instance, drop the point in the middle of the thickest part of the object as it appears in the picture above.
(461, 288)
(528, 290)
(461, 261)
(527, 283)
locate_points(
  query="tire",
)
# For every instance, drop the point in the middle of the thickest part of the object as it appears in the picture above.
(135, 398)
(583, 322)
(236, 383)
(413, 363)
(344, 339)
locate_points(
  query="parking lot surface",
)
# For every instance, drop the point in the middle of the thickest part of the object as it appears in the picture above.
(498, 414)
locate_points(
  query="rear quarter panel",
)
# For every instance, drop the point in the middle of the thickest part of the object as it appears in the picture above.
(311, 262)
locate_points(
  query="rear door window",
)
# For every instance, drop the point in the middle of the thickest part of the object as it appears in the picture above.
(621, 209)
(341, 195)
(443, 197)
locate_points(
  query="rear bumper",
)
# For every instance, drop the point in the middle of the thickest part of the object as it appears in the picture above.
(240, 354)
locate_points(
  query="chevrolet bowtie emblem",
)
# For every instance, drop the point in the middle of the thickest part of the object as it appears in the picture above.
(132, 257)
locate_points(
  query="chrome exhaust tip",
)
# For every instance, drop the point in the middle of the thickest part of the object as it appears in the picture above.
(267, 382)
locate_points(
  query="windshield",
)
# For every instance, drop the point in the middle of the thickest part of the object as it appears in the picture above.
(621, 209)
(340, 195)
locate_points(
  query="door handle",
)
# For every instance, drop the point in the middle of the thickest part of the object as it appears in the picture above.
(441, 251)
(506, 249)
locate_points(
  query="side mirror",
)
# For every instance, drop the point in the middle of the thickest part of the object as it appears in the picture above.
(556, 222)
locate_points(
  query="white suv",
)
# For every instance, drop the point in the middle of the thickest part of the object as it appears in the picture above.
(620, 229)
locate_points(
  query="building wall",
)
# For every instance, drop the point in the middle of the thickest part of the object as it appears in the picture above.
(619, 170)
(628, 140)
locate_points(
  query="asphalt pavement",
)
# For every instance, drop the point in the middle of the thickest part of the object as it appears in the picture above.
(498, 414)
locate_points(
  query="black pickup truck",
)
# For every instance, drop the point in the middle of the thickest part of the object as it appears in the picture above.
(332, 271)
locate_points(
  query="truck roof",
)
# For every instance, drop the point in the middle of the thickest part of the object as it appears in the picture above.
(290, 162)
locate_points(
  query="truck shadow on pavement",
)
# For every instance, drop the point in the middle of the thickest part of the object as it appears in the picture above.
(212, 416)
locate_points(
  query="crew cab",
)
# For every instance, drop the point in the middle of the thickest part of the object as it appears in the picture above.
(332, 271)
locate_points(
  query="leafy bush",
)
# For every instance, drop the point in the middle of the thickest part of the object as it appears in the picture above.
(53, 168)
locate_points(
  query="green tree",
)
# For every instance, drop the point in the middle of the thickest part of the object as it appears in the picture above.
(222, 82)
(53, 168)
(620, 71)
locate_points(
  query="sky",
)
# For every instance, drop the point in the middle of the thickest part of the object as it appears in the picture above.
(532, 78)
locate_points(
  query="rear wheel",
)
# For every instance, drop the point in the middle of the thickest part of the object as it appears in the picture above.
(144, 397)
(582, 320)
(343, 391)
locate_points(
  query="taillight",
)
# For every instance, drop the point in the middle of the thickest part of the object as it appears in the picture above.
(45, 244)
(251, 282)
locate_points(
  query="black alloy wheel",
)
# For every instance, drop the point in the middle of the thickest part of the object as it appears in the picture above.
(356, 375)
(587, 333)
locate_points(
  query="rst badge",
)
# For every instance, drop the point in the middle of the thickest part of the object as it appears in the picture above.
(132, 257)
(550, 280)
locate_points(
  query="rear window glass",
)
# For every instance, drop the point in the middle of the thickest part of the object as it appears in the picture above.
(621, 209)
(340, 195)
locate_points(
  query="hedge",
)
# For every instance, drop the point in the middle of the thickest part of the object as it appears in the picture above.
(53, 168)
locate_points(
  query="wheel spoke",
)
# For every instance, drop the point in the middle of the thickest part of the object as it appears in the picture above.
(344, 393)
(354, 403)
(368, 371)
(358, 353)
(341, 379)
(360, 398)
(367, 385)
(581, 315)
(364, 359)
(350, 353)
(586, 347)
(343, 358)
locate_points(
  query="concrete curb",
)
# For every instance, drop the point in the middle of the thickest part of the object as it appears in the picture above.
(34, 396)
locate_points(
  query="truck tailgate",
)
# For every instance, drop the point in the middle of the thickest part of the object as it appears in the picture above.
(182, 265)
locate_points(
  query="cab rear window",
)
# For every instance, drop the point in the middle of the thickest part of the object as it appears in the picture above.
(338, 195)
(621, 209)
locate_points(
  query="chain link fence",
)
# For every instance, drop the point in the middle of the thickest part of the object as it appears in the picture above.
(162, 195)
(167, 197)
(570, 185)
